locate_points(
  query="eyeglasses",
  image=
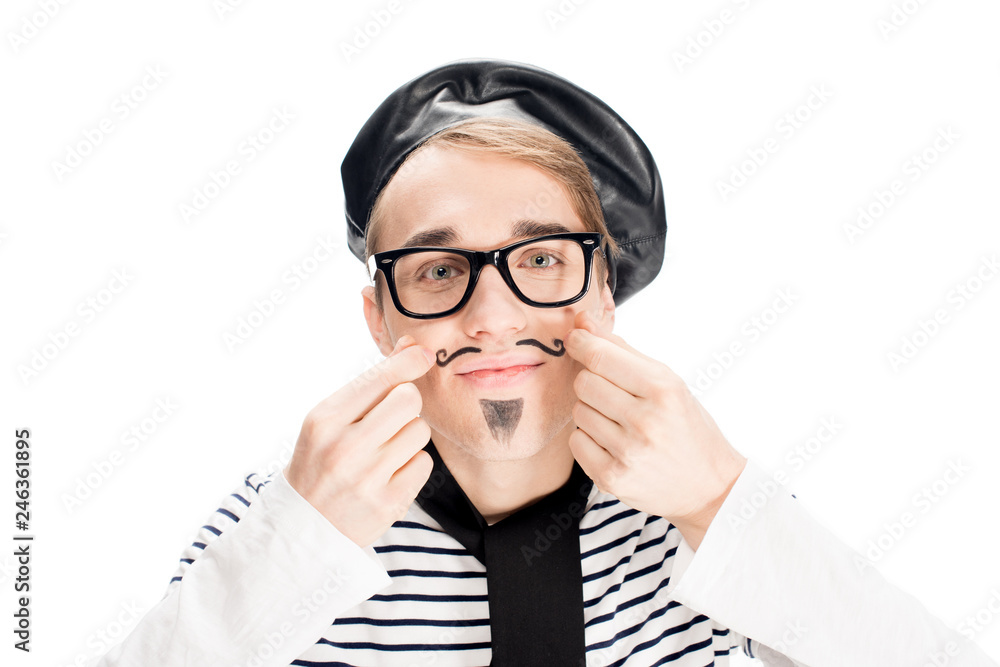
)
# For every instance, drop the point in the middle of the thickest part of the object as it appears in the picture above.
(545, 272)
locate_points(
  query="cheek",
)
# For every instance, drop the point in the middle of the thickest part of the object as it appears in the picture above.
(574, 370)
(427, 383)
(558, 383)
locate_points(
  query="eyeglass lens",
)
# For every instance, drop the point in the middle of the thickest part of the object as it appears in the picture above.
(433, 281)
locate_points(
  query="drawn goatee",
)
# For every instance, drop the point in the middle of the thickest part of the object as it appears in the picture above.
(502, 417)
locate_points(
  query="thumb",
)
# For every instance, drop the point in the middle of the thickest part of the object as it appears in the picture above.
(602, 329)
(584, 320)
(403, 342)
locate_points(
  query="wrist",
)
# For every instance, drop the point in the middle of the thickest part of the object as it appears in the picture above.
(695, 525)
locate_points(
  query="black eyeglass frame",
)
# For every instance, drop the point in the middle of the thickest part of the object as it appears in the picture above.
(478, 259)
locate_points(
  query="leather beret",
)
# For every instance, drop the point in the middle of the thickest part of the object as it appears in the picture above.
(624, 173)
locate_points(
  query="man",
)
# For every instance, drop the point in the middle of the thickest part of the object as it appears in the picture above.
(515, 484)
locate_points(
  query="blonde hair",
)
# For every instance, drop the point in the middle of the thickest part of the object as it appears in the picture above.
(519, 140)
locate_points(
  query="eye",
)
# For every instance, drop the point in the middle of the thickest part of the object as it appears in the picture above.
(541, 260)
(440, 272)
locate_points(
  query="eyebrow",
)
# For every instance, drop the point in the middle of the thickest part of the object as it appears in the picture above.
(521, 229)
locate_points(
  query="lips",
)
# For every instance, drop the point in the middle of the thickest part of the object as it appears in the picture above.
(505, 378)
(510, 371)
(497, 363)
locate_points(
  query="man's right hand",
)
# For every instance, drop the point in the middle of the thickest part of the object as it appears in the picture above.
(359, 458)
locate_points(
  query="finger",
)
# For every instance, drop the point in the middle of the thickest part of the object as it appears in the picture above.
(393, 454)
(400, 406)
(585, 320)
(399, 344)
(403, 342)
(360, 395)
(609, 360)
(594, 459)
(411, 476)
(607, 433)
(603, 395)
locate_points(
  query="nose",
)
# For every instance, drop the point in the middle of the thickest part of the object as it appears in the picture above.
(493, 308)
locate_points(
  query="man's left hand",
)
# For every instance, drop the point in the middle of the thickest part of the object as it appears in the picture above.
(643, 437)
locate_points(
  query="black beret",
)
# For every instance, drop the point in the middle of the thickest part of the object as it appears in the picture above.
(622, 168)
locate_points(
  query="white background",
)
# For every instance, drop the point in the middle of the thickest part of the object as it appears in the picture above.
(62, 235)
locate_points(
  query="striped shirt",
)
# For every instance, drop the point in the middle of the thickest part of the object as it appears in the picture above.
(268, 582)
(437, 601)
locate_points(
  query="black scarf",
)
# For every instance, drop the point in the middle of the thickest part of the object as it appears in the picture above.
(533, 570)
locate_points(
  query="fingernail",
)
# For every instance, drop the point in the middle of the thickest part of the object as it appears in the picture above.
(396, 349)
(430, 355)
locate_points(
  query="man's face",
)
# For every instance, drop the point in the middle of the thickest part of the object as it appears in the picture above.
(491, 415)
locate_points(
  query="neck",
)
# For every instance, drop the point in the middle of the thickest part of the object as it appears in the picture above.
(500, 488)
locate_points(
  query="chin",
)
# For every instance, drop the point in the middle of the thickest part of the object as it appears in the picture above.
(477, 441)
(488, 449)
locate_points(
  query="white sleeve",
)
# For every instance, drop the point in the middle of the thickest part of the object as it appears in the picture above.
(769, 570)
(750, 647)
(261, 583)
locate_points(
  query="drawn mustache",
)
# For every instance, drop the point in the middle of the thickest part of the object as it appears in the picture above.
(557, 350)
(442, 353)
(556, 342)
